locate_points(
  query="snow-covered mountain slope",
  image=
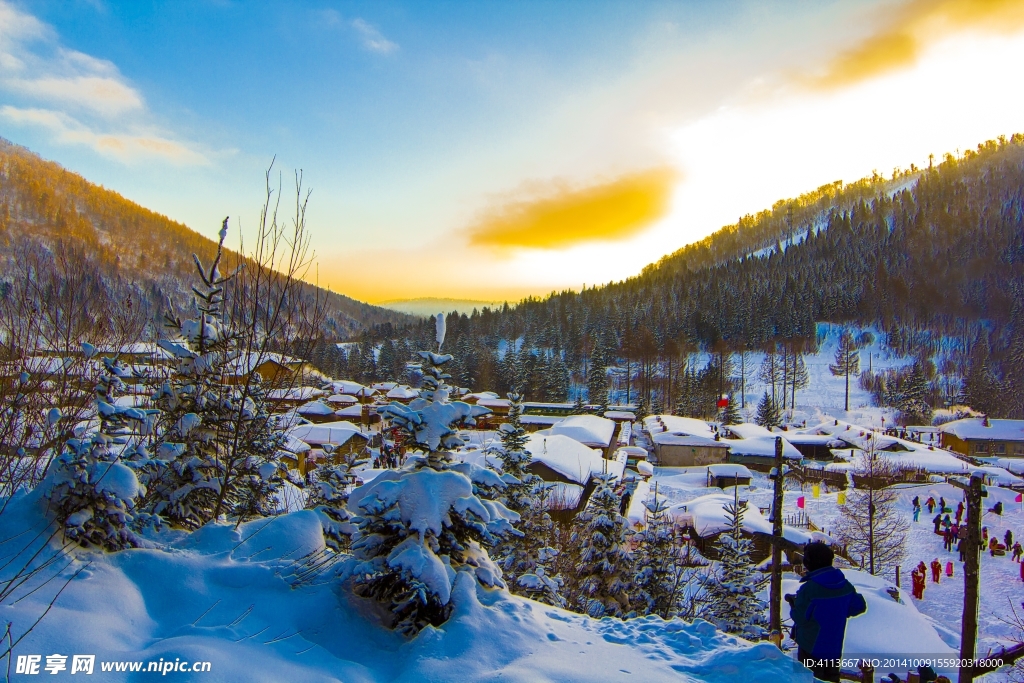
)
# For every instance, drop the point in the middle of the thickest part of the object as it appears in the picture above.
(229, 596)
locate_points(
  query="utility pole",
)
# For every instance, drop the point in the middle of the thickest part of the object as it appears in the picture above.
(972, 566)
(775, 606)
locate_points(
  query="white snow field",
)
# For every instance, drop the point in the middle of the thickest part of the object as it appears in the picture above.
(229, 596)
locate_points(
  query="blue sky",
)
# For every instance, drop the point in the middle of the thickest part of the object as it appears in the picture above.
(424, 127)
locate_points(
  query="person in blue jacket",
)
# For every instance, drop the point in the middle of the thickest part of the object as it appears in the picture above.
(820, 608)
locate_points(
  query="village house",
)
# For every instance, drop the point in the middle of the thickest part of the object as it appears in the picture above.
(981, 437)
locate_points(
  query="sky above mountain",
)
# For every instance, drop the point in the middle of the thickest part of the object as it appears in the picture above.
(496, 150)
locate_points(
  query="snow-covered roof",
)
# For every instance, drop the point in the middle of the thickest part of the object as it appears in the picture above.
(402, 392)
(481, 394)
(294, 394)
(973, 428)
(245, 363)
(315, 408)
(589, 430)
(493, 402)
(342, 398)
(336, 433)
(350, 411)
(344, 386)
(762, 446)
(747, 430)
(384, 386)
(682, 439)
(539, 419)
(707, 515)
(675, 423)
(570, 458)
(619, 415)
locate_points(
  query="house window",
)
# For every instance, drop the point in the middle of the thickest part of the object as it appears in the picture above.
(1001, 449)
(981, 448)
(1018, 449)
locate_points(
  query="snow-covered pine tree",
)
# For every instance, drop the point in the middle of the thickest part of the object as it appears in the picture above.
(216, 446)
(641, 408)
(912, 397)
(730, 414)
(419, 527)
(847, 362)
(597, 376)
(605, 567)
(660, 581)
(733, 603)
(328, 496)
(530, 553)
(768, 412)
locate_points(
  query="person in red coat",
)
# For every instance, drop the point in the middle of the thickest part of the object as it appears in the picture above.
(936, 570)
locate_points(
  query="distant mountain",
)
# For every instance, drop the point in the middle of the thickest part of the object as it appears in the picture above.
(431, 306)
(43, 204)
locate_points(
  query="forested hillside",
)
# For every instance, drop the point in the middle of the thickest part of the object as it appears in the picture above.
(934, 257)
(45, 207)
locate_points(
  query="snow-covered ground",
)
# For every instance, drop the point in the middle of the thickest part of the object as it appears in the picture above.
(229, 596)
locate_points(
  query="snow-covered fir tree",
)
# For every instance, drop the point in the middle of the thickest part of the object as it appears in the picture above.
(91, 489)
(768, 412)
(661, 580)
(605, 569)
(530, 553)
(216, 446)
(730, 414)
(328, 496)
(733, 603)
(420, 527)
(597, 376)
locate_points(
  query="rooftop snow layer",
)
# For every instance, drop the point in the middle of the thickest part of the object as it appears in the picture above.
(762, 446)
(570, 458)
(674, 423)
(973, 428)
(589, 430)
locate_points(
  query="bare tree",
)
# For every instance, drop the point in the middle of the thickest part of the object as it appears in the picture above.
(869, 524)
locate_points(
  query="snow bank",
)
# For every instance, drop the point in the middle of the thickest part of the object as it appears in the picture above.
(889, 628)
(228, 596)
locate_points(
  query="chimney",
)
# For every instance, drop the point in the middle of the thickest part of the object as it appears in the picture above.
(984, 421)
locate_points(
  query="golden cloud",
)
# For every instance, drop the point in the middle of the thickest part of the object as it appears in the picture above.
(908, 31)
(568, 215)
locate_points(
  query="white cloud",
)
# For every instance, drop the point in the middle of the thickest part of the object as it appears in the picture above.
(373, 39)
(127, 147)
(77, 98)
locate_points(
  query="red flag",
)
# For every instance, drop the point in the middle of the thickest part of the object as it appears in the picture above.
(1019, 498)
(800, 502)
(723, 402)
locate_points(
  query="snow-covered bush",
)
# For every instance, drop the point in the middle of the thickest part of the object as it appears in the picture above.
(93, 494)
(419, 527)
(605, 568)
(733, 602)
(328, 496)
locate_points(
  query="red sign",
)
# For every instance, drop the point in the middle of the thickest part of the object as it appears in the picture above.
(723, 403)
(800, 502)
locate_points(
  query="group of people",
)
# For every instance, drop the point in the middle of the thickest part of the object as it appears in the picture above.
(954, 533)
